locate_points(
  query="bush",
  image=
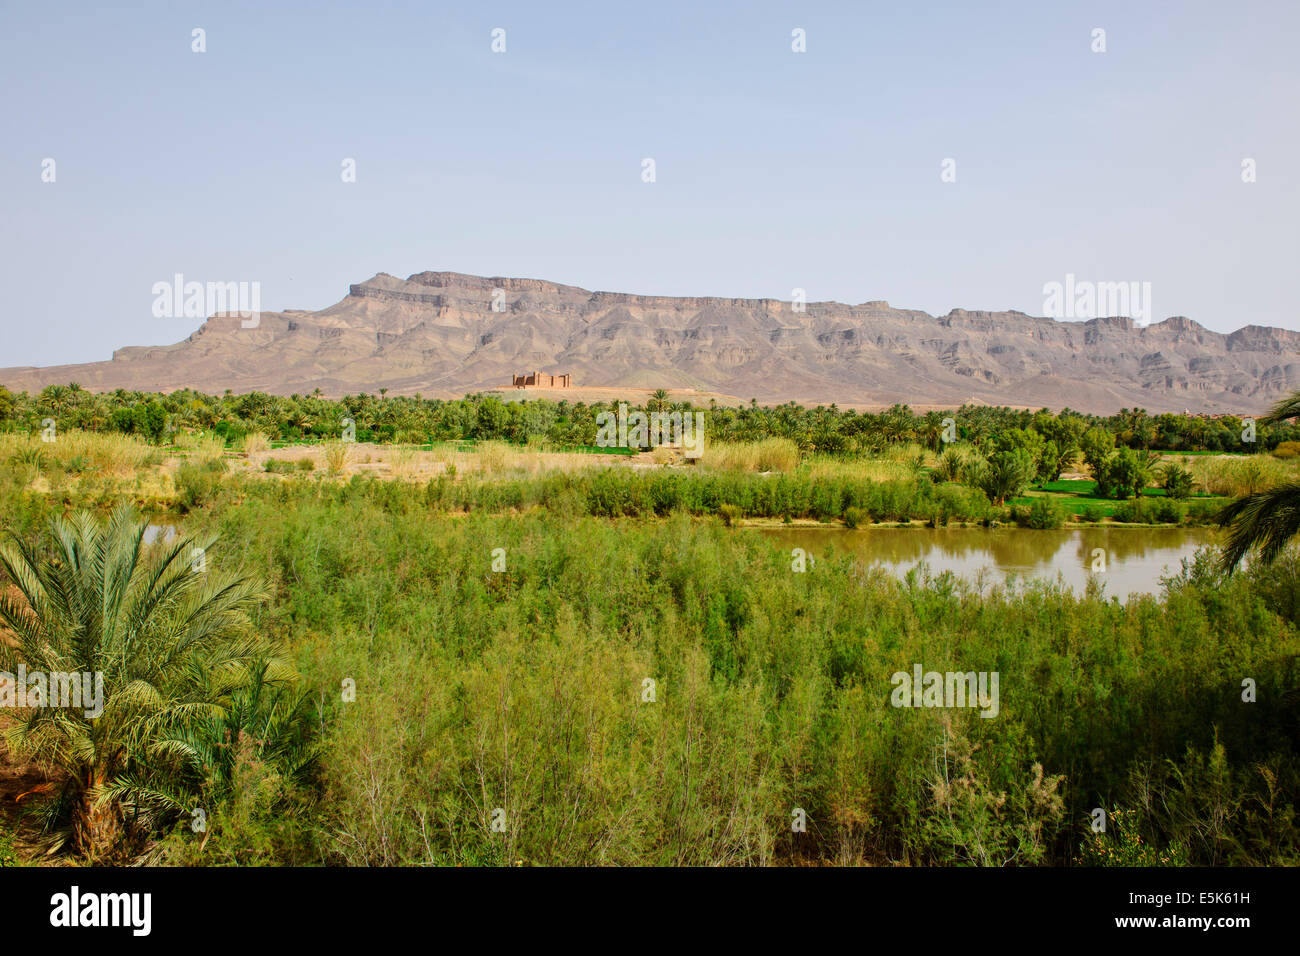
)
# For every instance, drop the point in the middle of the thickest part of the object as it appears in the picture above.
(196, 486)
(1122, 475)
(950, 466)
(336, 457)
(1092, 514)
(145, 419)
(1122, 845)
(1176, 480)
(1167, 511)
(1042, 513)
(210, 447)
(778, 685)
(30, 457)
(855, 516)
(1130, 511)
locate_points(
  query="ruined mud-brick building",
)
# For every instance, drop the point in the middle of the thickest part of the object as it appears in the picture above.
(542, 380)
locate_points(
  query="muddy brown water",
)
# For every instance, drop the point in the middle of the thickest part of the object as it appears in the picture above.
(1135, 559)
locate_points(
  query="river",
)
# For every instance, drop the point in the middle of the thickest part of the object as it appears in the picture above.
(1130, 560)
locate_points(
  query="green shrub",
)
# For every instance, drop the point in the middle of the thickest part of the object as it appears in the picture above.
(1130, 511)
(1042, 513)
(773, 686)
(1176, 480)
(196, 486)
(1091, 513)
(32, 457)
(1121, 844)
(1166, 511)
(950, 466)
(1123, 475)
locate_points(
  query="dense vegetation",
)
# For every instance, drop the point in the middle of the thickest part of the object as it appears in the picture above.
(500, 661)
(825, 429)
(192, 701)
(523, 690)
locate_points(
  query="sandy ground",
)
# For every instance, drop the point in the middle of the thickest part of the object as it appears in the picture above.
(396, 462)
(603, 393)
(18, 781)
(700, 399)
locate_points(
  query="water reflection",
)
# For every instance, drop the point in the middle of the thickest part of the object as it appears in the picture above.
(1134, 558)
(155, 533)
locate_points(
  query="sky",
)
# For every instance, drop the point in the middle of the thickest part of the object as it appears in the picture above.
(774, 170)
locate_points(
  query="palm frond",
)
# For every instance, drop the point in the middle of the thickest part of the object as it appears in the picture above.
(189, 684)
(1266, 520)
(1288, 407)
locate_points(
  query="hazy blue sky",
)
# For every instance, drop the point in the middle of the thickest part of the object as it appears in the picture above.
(775, 170)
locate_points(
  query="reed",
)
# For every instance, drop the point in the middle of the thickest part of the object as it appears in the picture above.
(406, 462)
(210, 448)
(336, 457)
(769, 454)
(493, 457)
(1238, 475)
(109, 453)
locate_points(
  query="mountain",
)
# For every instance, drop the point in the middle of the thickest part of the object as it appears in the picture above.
(443, 334)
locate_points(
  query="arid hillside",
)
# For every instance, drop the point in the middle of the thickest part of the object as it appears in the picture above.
(444, 334)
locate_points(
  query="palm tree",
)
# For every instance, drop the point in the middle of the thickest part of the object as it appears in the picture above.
(170, 643)
(931, 430)
(268, 721)
(1265, 519)
(299, 421)
(1005, 475)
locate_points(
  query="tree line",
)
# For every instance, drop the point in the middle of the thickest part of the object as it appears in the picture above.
(825, 429)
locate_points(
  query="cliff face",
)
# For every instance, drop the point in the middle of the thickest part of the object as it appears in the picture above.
(443, 334)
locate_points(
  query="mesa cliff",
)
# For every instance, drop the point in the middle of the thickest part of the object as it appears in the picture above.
(443, 334)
